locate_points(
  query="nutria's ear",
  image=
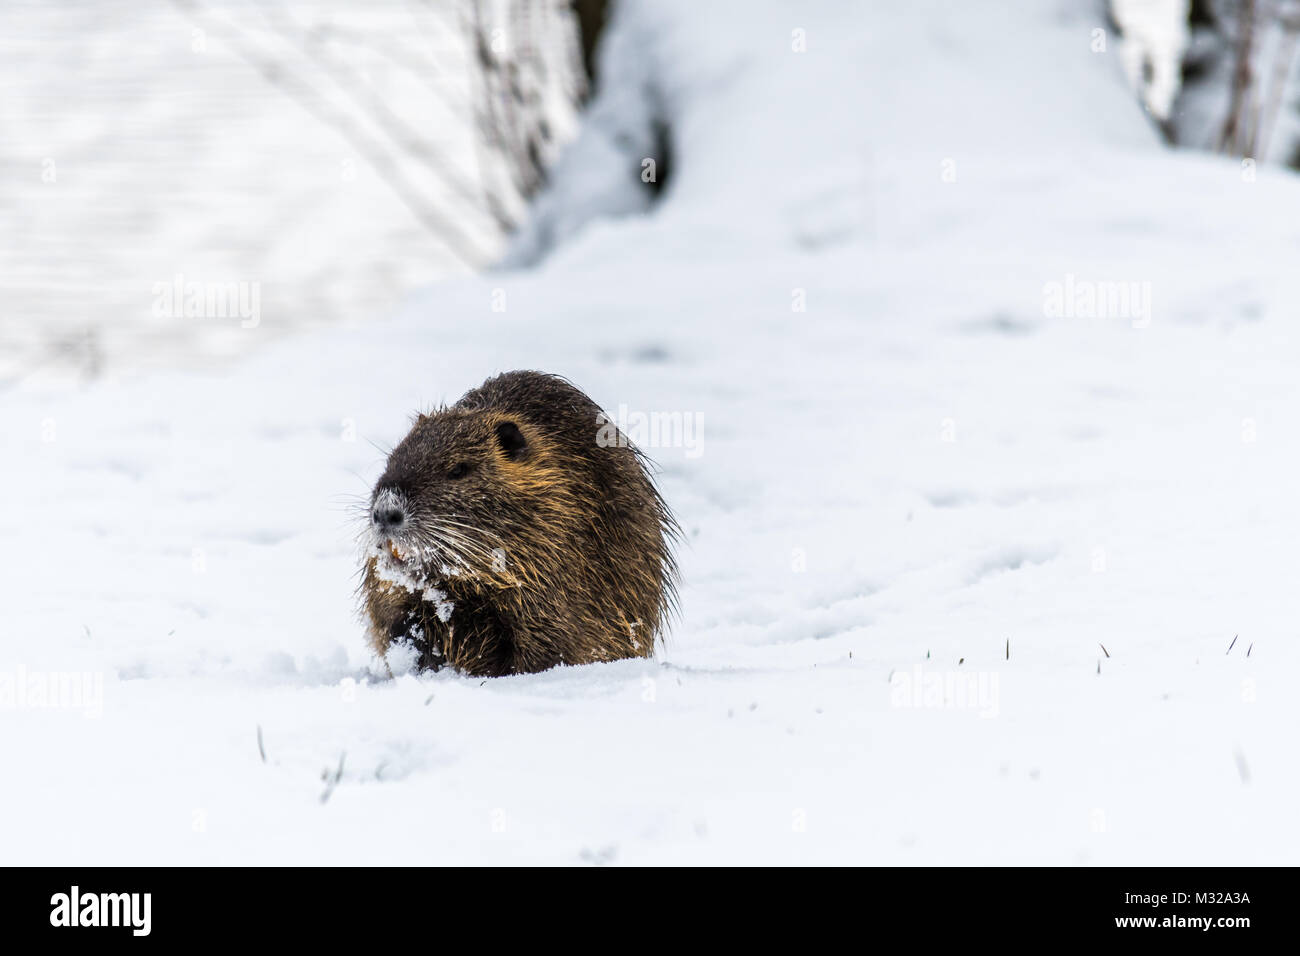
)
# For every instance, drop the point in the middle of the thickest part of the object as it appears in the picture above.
(512, 440)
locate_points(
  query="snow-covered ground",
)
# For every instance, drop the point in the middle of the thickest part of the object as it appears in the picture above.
(930, 483)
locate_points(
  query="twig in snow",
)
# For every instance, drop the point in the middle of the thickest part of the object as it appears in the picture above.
(1235, 136)
(332, 780)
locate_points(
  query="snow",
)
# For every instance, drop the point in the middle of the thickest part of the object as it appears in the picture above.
(1155, 38)
(235, 141)
(916, 505)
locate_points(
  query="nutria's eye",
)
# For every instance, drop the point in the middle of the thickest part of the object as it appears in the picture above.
(511, 440)
(458, 471)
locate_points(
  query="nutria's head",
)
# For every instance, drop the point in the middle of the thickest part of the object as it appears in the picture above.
(455, 494)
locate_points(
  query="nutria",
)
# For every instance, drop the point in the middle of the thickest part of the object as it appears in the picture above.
(516, 530)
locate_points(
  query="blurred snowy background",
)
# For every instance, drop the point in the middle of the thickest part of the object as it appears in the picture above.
(242, 142)
(983, 316)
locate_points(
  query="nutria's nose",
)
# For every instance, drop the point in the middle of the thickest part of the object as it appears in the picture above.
(388, 518)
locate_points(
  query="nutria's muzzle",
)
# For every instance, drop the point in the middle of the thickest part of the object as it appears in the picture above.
(388, 513)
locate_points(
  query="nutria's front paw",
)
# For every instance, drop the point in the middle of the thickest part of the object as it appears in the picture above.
(412, 631)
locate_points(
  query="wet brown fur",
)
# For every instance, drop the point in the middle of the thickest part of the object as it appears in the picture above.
(563, 546)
